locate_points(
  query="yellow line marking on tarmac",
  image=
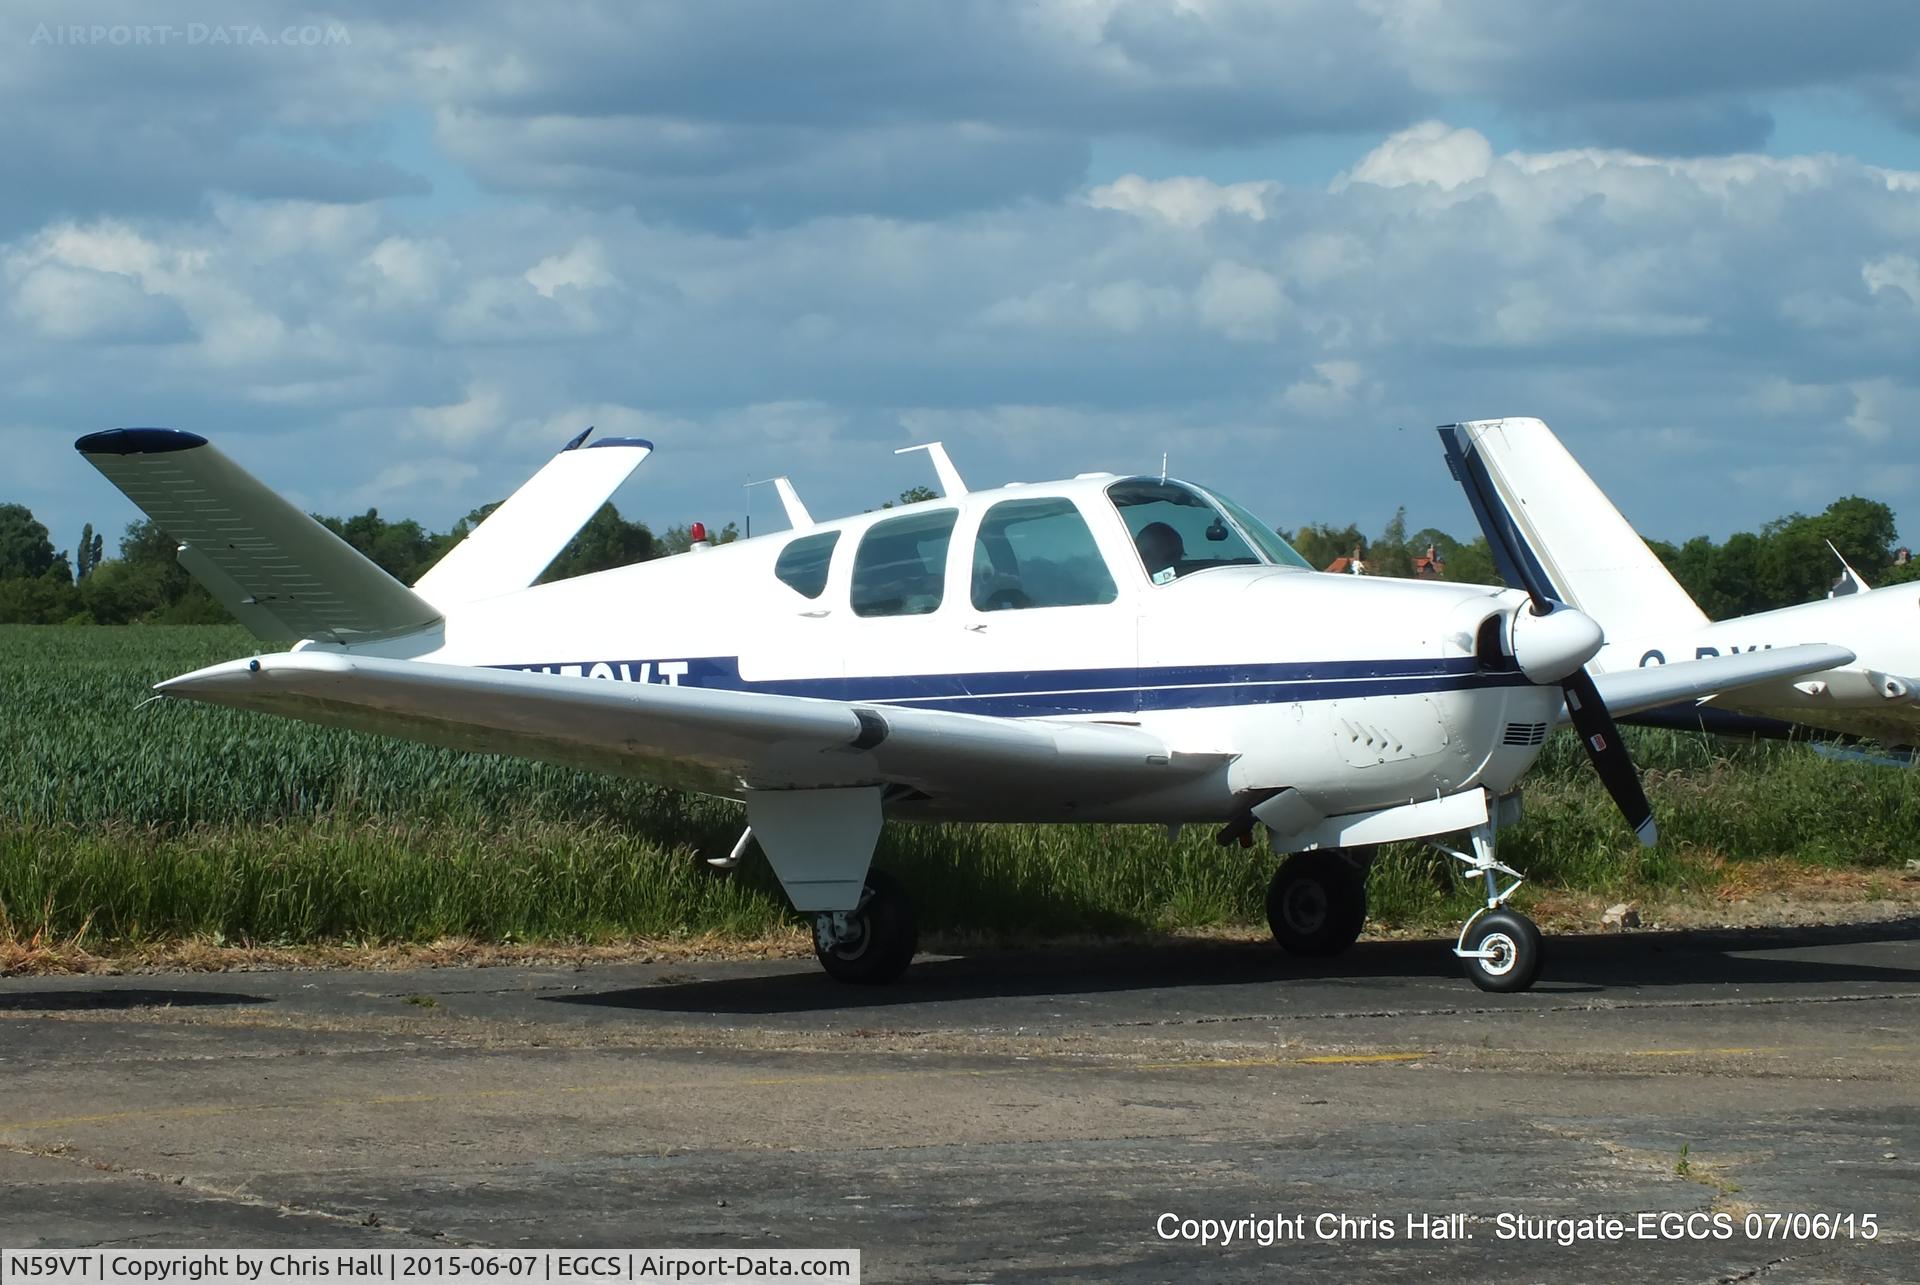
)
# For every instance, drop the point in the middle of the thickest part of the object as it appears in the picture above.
(757, 1082)
(1726, 1052)
(1320, 1059)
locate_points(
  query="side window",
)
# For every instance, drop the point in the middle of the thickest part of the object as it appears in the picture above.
(802, 565)
(1038, 553)
(901, 565)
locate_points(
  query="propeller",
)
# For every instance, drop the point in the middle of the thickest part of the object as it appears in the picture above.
(1556, 638)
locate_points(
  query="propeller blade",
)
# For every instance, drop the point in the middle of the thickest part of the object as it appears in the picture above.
(1594, 722)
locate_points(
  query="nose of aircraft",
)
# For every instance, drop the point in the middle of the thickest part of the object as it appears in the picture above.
(1549, 648)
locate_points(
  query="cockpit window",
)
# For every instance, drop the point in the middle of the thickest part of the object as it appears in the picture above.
(1177, 529)
(1038, 553)
(1277, 551)
(900, 568)
(802, 565)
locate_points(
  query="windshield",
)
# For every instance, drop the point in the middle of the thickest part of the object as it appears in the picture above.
(1277, 551)
(1177, 529)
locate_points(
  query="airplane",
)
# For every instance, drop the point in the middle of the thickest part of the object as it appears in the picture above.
(1103, 648)
(1546, 518)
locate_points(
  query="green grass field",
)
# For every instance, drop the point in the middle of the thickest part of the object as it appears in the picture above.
(126, 825)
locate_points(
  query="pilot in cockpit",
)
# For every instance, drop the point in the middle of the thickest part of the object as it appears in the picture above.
(1161, 550)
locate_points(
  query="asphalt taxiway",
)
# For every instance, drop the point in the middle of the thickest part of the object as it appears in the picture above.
(1005, 1116)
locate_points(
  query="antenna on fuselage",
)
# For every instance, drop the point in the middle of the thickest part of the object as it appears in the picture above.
(1163, 466)
(950, 483)
(797, 515)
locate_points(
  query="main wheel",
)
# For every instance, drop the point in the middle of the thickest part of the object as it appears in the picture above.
(884, 937)
(1317, 904)
(1514, 961)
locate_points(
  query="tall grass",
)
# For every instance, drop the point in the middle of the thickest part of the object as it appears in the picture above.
(130, 823)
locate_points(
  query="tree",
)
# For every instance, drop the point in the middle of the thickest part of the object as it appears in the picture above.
(1390, 554)
(88, 554)
(606, 541)
(404, 550)
(25, 550)
(1863, 531)
(912, 495)
(37, 600)
(142, 583)
(1320, 543)
(1464, 563)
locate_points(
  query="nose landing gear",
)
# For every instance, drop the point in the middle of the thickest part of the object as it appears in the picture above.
(1501, 948)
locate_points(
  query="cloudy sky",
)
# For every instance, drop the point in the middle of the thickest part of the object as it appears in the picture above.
(397, 262)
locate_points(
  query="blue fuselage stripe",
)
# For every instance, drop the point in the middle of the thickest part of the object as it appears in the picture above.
(1039, 693)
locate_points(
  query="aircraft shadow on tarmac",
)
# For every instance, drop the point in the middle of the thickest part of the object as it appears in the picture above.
(1591, 966)
(76, 1001)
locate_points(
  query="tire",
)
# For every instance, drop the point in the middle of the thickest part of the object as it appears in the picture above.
(1317, 904)
(887, 937)
(1518, 966)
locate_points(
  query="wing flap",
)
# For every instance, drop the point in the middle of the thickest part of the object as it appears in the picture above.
(700, 738)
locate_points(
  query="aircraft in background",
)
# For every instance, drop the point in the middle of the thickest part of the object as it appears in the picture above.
(1104, 648)
(1548, 521)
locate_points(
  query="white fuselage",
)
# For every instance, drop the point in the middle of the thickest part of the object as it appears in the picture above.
(1877, 696)
(1360, 694)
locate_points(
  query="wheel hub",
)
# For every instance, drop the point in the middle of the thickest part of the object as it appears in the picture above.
(844, 932)
(1305, 906)
(1501, 954)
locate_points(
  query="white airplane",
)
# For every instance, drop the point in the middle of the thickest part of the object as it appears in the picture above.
(1546, 518)
(1118, 649)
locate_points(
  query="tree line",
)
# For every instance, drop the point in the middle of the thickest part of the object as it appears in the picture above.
(1786, 562)
(145, 584)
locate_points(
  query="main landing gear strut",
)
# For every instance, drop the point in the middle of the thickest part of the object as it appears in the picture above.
(1500, 948)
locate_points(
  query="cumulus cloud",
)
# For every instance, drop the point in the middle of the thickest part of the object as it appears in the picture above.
(1430, 152)
(1188, 202)
(793, 239)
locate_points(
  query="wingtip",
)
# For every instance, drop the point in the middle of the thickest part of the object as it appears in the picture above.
(138, 441)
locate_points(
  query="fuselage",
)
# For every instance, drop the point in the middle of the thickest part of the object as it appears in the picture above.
(1878, 696)
(1037, 602)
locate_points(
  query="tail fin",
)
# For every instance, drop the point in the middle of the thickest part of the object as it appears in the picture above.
(282, 574)
(522, 537)
(1589, 554)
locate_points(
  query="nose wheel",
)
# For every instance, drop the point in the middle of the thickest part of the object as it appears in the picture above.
(1501, 951)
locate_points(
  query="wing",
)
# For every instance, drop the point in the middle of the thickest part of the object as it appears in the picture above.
(700, 738)
(1629, 691)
